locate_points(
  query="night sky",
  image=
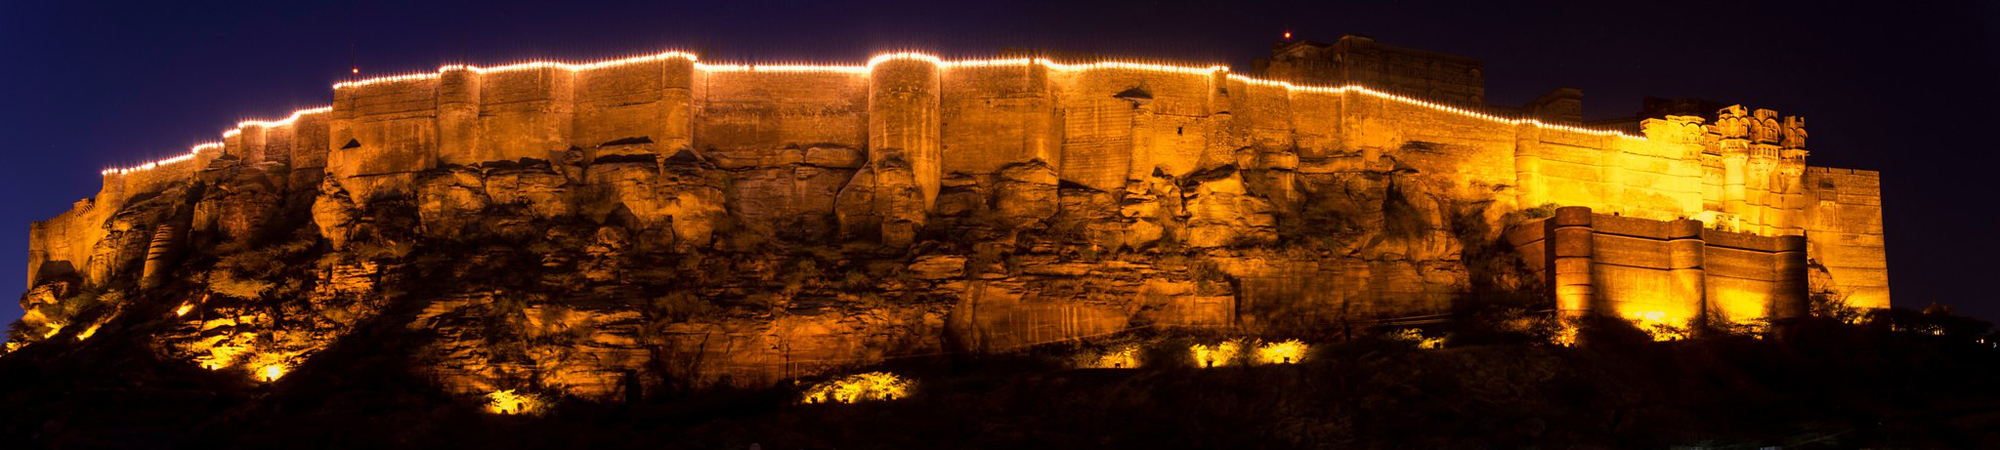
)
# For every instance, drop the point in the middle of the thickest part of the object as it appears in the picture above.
(1907, 88)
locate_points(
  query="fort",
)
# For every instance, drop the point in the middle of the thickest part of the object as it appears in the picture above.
(1685, 218)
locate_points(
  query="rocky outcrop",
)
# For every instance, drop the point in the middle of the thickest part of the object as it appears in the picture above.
(1222, 213)
(619, 267)
(334, 212)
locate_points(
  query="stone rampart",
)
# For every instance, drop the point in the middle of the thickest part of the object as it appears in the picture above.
(1847, 247)
(1669, 272)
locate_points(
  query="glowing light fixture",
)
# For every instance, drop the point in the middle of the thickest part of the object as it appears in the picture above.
(1286, 352)
(1217, 355)
(88, 332)
(514, 403)
(272, 372)
(1126, 357)
(858, 388)
(1658, 325)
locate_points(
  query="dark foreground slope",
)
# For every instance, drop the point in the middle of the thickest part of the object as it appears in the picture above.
(1828, 387)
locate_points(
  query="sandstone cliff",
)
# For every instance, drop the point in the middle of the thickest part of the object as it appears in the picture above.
(569, 275)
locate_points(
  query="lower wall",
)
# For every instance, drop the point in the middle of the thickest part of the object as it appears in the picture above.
(1671, 272)
(1849, 256)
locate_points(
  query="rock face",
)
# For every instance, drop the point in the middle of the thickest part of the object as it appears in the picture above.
(582, 276)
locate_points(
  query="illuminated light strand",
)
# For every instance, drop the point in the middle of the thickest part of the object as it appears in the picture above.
(273, 372)
(198, 148)
(851, 70)
(974, 63)
(233, 132)
(512, 402)
(571, 67)
(872, 62)
(288, 120)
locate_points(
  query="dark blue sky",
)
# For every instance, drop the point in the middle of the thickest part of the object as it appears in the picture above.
(1903, 87)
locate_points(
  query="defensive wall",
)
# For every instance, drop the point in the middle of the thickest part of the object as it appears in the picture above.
(1097, 124)
(1665, 272)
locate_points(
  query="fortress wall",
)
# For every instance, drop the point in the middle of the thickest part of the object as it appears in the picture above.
(800, 132)
(1319, 122)
(1656, 179)
(298, 141)
(1714, 182)
(1632, 268)
(1261, 119)
(459, 94)
(1637, 178)
(1097, 132)
(1844, 234)
(272, 144)
(905, 123)
(65, 243)
(746, 119)
(393, 126)
(525, 114)
(1475, 155)
(1742, 274)
(121, 188)
(1107, 140)
(998, 115)
(309, 142)
(651, 100)
(1669, 272)
(245, 142)
(794, 139)
(62, 245)
(1170, 132)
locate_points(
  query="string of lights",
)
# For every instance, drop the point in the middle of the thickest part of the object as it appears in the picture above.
(865, 69)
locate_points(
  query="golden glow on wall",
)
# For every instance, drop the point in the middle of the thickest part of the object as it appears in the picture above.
(1126, 357)
(1417, 337)
(857, 388)
(1565, 335)
(1658, 324)
(224, 351)
(1740, 305)
(1217, 355)
(88, 332)
(864, 70)
(272, 372)
(198, 148)
(511, 402)
(1286, 352)
(206, 146)
(183, 309)
(53, 329)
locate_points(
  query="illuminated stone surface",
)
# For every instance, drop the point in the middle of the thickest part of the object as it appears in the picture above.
(567, 225)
